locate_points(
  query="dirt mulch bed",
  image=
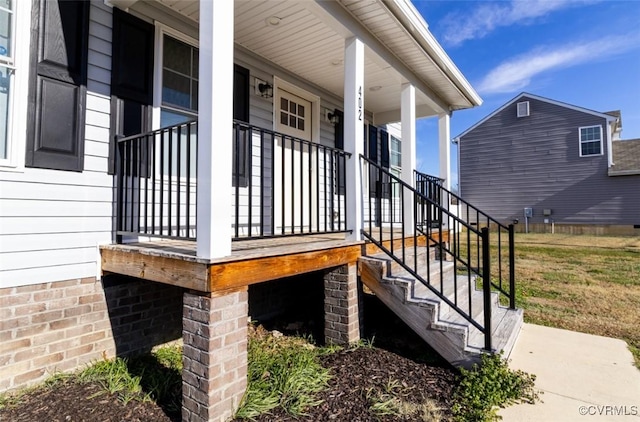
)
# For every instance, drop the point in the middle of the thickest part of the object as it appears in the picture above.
(363, 376)
(72, 402)
(401, 364)
(360, 377)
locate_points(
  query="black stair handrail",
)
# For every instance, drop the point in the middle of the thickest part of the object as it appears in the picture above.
(432, 187)
(384, 202)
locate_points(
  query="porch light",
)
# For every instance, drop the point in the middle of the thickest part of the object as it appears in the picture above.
(266, 89)
(333, 118)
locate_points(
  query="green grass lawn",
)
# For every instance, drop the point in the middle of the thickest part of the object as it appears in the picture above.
(589, 284)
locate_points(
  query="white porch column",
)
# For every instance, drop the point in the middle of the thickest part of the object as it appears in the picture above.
(408, 122)
(444, 147)
(354, 131)
(215, 129)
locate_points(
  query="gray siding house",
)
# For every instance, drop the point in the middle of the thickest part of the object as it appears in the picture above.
(565, 162)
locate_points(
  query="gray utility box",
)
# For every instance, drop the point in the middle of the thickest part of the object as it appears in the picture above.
(528, 212)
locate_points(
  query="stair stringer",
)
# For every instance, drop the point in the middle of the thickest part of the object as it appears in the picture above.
(450, 334)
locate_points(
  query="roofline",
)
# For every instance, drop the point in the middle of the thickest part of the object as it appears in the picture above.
(608, 117)
(415, 26)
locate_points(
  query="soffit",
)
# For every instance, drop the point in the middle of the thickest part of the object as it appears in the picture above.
(308, 44)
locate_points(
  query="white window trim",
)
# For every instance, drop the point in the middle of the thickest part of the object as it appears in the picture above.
(580, 141)
(526, 113)
(278, 84)
(160, 32)
(19, 95)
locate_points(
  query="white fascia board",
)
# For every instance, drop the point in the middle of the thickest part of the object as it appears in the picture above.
(418, 29)
(342, 18)
(608, 117)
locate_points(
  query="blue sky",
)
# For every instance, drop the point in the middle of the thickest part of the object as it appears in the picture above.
(585, 53)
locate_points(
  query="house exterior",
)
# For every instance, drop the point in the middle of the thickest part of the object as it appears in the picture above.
(565, 162)
(160, 157)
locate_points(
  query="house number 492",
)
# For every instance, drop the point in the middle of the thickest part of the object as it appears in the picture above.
(360, 103)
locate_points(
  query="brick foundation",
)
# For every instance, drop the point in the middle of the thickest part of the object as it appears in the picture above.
(57, 327)
(214, 377)
(342, 295)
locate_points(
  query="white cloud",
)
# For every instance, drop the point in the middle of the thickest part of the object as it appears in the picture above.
(516, 73)
(485, 18)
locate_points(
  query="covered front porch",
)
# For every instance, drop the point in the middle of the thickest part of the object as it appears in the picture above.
(279, 167)
(257, 146)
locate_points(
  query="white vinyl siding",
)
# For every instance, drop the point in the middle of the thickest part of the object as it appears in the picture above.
(52, 221)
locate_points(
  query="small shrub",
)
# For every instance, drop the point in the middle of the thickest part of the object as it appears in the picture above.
(485, 388)
(114, 378)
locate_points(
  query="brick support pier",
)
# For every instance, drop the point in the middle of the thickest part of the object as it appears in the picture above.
(214, 377)
(342, 322)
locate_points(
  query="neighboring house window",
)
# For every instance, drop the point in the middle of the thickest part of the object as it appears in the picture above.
(523, 109)
(590, 141)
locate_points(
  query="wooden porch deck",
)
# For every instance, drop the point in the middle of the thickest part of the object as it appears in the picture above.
(251, 261)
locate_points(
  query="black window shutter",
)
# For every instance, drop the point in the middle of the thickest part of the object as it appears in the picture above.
(339, 129)
(384, 162)
(241, 135)
(384, 149)
(131, 78)
(339, 143)
(57, 95)
(373, 143)
(372, 154)
(365, 140)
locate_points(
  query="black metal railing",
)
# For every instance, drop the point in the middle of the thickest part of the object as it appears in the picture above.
(430, 187)
(387, 212)
(464, 244)
(282, 185)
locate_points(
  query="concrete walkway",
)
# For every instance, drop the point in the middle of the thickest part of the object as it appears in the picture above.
(583, 377)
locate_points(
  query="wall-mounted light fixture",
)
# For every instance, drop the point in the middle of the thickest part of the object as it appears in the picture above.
(265, 89)
(333, 118)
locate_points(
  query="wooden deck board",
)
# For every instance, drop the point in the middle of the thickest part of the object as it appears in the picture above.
(251, 261)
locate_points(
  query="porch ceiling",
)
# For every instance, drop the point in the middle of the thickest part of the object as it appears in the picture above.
(307, 38)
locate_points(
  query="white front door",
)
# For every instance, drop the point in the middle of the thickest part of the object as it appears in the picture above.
(294, 200)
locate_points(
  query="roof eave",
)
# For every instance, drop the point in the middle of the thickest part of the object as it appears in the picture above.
(414, 24)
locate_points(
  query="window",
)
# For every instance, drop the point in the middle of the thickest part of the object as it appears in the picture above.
(523, 109)
(179, 82)
(396, 162)
(396, 152)
(590, 141)
(7, 25)
(178, 102)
